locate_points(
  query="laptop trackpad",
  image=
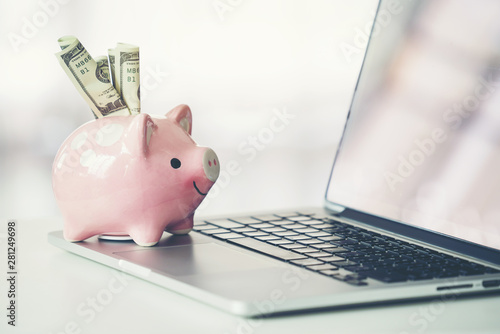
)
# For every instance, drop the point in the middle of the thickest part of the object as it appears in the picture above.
(194, 259)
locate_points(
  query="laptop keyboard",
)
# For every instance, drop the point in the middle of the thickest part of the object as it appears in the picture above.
(338, 250)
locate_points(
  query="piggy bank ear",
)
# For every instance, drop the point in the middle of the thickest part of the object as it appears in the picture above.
(144, 127)
(182, 116)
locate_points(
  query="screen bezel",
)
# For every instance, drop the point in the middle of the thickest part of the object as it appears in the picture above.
(435, 238)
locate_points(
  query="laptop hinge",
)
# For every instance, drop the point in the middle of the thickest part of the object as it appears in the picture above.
(334, 209)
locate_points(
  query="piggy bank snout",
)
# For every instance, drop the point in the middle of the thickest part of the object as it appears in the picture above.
(211, 165)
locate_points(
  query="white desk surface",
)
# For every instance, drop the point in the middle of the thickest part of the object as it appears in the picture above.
(53, 284)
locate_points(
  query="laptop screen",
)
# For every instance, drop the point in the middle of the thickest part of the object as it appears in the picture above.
(422, 142)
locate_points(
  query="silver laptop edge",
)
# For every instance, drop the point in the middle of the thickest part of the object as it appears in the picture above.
(283, 288)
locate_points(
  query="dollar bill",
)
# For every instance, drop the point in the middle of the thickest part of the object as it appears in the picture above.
(102, 71)
(112, 67)
(127, 75)
(65, 41)
(89, 78)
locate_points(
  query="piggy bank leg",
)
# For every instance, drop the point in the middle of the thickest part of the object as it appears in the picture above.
(146, 238)
(76, 236)
(182, 227)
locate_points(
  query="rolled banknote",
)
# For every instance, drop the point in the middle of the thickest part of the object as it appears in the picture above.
(65, 41)
(90, 78)
(102, 71)
(112, 67)
(126, 77)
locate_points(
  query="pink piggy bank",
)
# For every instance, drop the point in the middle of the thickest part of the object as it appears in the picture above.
(134, 175)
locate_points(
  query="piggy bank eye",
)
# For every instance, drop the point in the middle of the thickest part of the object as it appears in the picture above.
(175, 163)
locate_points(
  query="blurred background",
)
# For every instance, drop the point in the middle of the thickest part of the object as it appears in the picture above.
(237, 63)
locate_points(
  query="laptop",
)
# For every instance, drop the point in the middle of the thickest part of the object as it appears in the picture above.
(411, 207)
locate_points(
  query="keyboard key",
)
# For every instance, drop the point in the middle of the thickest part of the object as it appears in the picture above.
(199, 222)
(273, 229)
(335, 250)
(310, 241)
(350, 277)
(204, 227)
(320, 217)
(225, 223)
(332, 258)
(344, 242)
(292, 246)
(299, 218)
(418, 276)
(351, 255)
(348, 273)
(226, 236)
(267, 249)
(294, 226)
(285, 234)
(245, 220)
(320, 255)
(324, 266)
(344, 263)
(329, 272)
(323, 225)
(317, 234)
(323, 245)
(334, 231)
(280, 242)
(305, 250)
(215, 231)
(268, 237)
(306, 262)
(261, 225)
(365, 245)
(329, 250)
(355, 268)
(312, 223)
(297, 237)
(307, 230)
(244, 229)
(256, 234)
(267, 218)
(287, 214)
(283, 222)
